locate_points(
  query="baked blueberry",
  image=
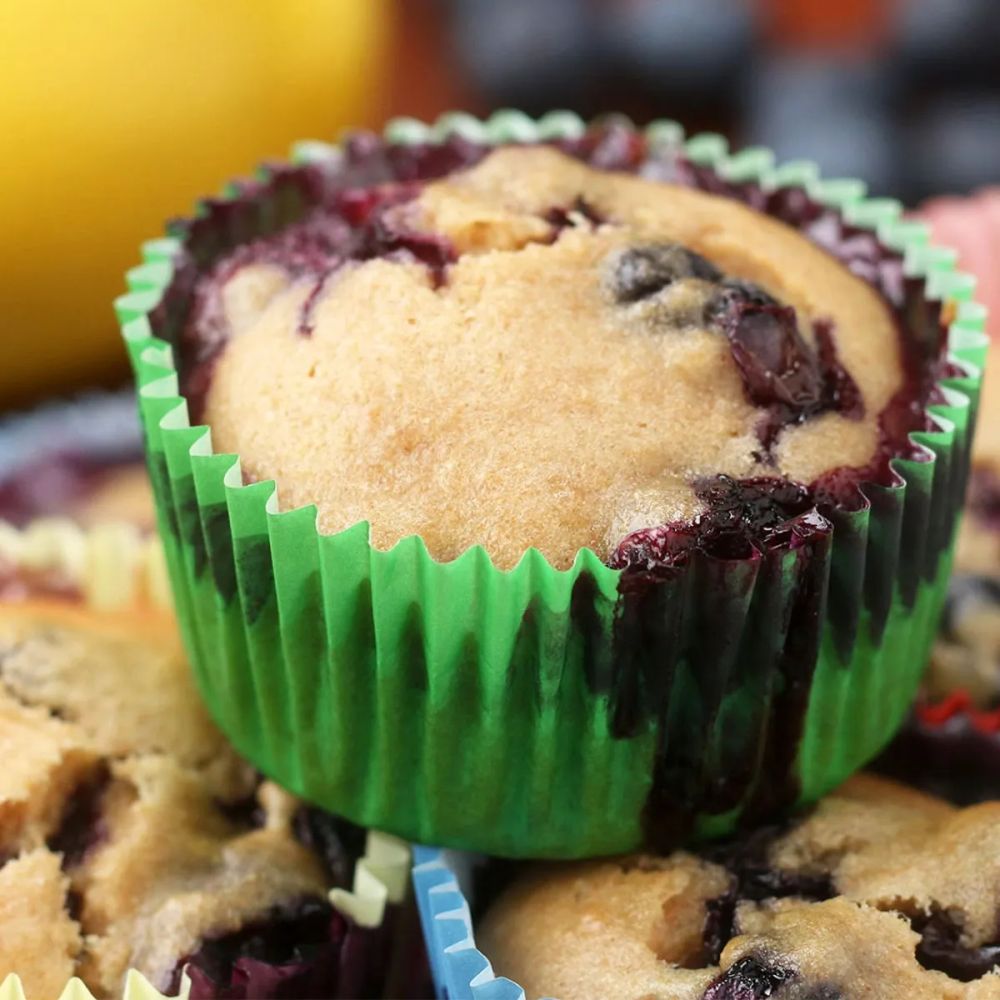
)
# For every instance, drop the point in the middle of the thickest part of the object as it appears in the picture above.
(879, 892)
(640, 271)
(748, 979)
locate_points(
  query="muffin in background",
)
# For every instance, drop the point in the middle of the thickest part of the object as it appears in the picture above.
(132, 836)
(121, 494)
(879, 892)
(950, 745)
(79, 459)
(968, 654)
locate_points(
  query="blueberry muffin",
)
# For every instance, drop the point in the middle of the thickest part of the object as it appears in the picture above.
(588, 447)
(132, 836)
(112, 565)
(880, 892)
(552, 355)
(80, 459)
(119, 493)
(88, 491)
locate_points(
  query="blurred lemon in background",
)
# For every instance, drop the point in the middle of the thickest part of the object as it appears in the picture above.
(116, 115)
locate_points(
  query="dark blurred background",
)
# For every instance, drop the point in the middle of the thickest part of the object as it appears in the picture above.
(117, 115)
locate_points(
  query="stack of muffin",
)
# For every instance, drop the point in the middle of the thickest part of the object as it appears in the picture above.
(617, 488)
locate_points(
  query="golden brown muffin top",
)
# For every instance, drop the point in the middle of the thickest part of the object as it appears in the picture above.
(879, 893)
(524, 401)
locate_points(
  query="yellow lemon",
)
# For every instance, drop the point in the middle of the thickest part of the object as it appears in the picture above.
(115, 115)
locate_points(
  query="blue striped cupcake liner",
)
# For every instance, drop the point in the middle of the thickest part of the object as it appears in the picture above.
(461, 971)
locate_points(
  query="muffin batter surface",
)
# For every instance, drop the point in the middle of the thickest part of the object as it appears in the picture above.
(131, 834)
(522, 402)
(879, 893)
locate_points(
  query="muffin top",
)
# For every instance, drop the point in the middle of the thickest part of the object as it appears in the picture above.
(879, 892)
(540, 353)
(131, 835)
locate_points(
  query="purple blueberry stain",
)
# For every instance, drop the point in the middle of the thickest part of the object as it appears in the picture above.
(307, 311)
(304, 949)
(336, 842)
(639, 272)
(82, 827)
(294, 950)
(355, 224)
(780, 371)
(739, 516)
(753, 878)
(580, 210)
(749, 979)
(941, 947)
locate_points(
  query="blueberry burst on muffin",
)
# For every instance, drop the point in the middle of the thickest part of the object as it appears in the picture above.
(131, 836)
(879, 893)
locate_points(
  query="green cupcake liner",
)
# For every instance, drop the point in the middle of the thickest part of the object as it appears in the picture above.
(536, 711)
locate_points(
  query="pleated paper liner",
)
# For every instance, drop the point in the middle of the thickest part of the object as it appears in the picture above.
(442, 881)
(112, 568)
(535, 711)
(136, 988)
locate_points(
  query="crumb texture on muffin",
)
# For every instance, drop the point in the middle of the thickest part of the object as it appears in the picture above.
(547, 390)
(40, 940)
(130, 831)
(878, 893)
